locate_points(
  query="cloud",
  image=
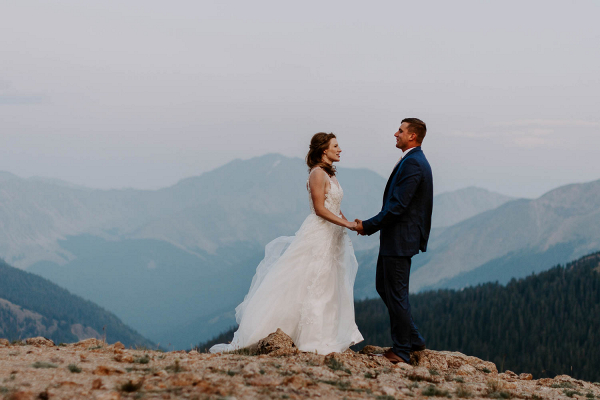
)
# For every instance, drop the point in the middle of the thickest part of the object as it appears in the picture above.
(550, 123)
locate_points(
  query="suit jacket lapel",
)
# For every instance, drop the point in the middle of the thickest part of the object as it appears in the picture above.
(395, 171)
(391, 178)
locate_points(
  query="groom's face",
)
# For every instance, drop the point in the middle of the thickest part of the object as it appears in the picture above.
(403, 137)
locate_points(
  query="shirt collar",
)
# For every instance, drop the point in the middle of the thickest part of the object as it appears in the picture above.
(404, 153)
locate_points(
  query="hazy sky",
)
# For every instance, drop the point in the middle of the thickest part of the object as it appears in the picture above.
(144, 93)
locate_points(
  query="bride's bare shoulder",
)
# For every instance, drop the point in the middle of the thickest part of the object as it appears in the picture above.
(317, 173)
(317, 176)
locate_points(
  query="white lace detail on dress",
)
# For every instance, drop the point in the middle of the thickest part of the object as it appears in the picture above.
(329, 256)
(333, 198)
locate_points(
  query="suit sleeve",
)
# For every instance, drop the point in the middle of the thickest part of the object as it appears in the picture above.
(402, 193)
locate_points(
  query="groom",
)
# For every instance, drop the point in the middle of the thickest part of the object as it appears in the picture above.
(404, 222)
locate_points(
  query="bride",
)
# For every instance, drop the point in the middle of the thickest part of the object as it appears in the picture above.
(304, 285)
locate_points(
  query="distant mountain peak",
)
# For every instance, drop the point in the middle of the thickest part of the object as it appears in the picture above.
(5, 176)
(450, 208)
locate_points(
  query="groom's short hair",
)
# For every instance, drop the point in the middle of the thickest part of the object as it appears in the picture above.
(417, 127)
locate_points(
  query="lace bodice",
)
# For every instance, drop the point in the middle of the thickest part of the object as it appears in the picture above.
(333, 198)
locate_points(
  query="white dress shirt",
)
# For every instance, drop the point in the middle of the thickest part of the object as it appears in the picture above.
(404, 153)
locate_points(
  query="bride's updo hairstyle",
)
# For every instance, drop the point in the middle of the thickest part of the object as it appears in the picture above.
(318, 144)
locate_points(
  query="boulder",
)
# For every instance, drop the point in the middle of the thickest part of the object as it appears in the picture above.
(508, 376)
(448, 360)
(116, 346)
(276, 344)
(4, 343)
(39, 342)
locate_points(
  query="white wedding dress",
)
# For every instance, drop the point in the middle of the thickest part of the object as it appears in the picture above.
(304, 286)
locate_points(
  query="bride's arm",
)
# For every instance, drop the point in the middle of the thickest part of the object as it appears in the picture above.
(318, 185)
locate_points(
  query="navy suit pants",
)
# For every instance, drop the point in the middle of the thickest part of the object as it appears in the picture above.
(391, 282)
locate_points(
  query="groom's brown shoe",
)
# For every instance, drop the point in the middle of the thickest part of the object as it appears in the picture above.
(393, 357)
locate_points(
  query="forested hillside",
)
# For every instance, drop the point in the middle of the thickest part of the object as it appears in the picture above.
(33, 306)
(545, 324)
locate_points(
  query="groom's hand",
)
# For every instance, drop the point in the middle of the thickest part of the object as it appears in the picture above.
(359, 227)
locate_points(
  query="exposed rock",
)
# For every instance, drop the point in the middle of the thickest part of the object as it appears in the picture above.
(276, 344)
(22, 395)
(104, 370)
(445, 360)
(109, 396)
(116, 346)
(4, 343)
(389, 391)
(251, 369)
(422, 374)
(126, 358)
(68, 384)
(297, 382)
(89, 343)
(184, 379)
(39, 342)
(545, 381)
(265, 380)
(567, 378)
(508, 376)
(466, 370)
(97, 384)
(369, 349)
(244, 376)
(525, 377)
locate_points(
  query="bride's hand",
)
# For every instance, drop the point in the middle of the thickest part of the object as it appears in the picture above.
(351, 225)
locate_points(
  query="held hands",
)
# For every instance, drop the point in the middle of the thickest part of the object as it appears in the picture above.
(359, 227)
(356, 226)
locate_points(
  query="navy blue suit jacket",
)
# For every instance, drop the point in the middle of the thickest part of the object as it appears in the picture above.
(405, 218)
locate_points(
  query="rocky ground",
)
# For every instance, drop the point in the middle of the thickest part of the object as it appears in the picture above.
(91, 369)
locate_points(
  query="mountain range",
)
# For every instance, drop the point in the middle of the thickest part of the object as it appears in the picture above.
(173, 263)
(514, 240)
